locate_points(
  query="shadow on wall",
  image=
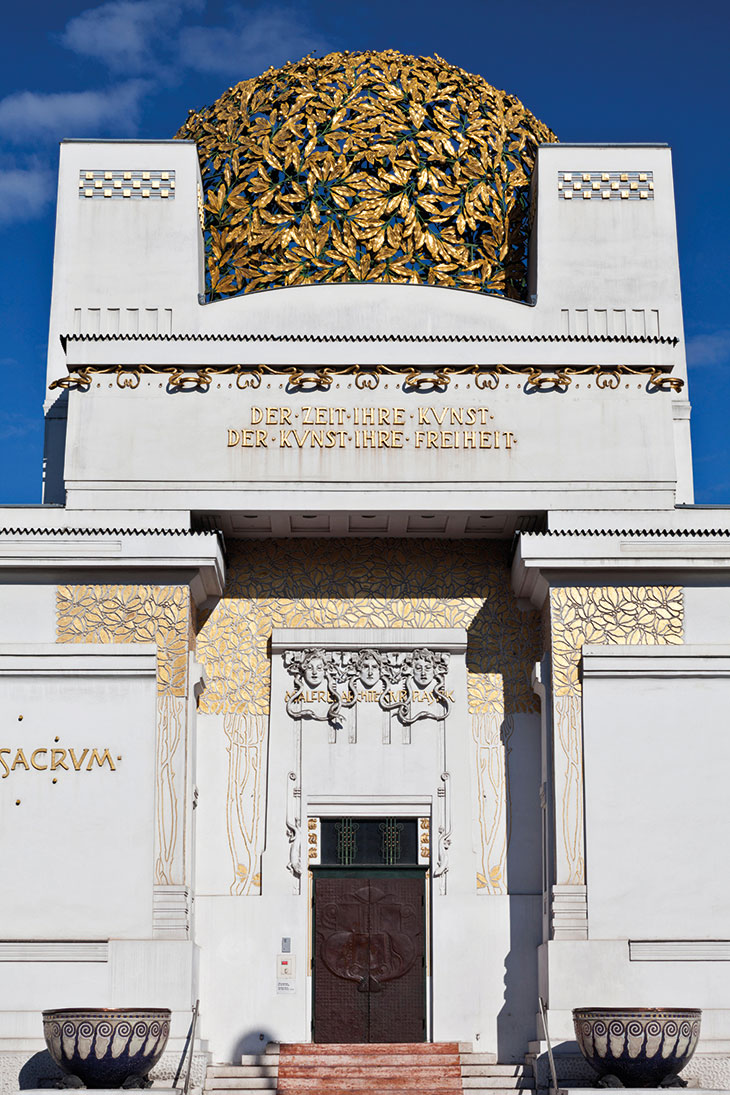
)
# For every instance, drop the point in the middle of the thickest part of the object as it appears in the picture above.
(505, 641)
(54, 449)
(41, 1070)
(517, 1019)
(252, 1043)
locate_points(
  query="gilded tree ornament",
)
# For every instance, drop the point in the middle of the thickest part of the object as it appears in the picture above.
(371, 166)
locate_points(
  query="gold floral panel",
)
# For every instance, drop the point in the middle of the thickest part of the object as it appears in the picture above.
(132, 614)
(369, 584)
(634, 615)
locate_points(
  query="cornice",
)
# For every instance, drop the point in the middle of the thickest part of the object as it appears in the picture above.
(190, 558)
(552, 558)
(263, 336)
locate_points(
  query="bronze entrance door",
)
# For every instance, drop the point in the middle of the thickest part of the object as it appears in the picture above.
(369, 957)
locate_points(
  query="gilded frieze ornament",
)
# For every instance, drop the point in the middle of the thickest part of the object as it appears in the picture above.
(369, 166)
(412, 378)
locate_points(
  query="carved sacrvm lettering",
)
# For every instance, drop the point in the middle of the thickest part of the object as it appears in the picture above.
(43, 759)
(77, 763)
(100, 760)
(20, 760)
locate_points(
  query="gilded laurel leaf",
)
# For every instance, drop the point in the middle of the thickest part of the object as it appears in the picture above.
(632, 615)
(132, 614)
(392, 128)
(279, 583)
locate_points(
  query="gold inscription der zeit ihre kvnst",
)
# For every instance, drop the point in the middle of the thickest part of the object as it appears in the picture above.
(53, 760)
(310, 427)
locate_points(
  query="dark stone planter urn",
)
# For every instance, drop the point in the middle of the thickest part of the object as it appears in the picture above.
(107, 1047)
(641, 1047)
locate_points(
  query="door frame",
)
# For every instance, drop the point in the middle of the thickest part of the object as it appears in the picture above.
(422, 871)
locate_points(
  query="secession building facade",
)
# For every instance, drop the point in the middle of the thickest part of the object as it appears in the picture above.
(367, 552)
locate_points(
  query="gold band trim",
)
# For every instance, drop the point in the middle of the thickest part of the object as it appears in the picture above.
(415, 378)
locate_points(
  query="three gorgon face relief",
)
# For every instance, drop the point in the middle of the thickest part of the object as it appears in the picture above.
(411, 684)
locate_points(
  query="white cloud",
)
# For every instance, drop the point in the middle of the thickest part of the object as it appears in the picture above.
(25, 193)
(26, 116)
(710, 349)
(154, 38)
(122, 34)
(13, 424)
(256, 39)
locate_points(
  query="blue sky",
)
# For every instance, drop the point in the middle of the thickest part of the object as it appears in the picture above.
(631, 70)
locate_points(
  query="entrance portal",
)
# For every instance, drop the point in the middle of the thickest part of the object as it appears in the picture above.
(369, 956)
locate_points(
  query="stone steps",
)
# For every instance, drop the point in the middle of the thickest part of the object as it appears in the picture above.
(232, 1083)
(247, 1079)
(392, 1069)
(500, 1083)
(471, 1061)
(248, 1059)
(368, 1049)
(482, 1075)
(424, 1068)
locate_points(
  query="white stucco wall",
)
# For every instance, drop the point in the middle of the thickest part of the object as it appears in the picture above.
(77, 836)
(656, 755)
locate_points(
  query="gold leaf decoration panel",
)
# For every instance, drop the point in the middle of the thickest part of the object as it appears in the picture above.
(635, 615)
(369, 584)
(371, 166)
(246, 750)
(170, 771)
(491, 736)
(132, 614)
(568, 750)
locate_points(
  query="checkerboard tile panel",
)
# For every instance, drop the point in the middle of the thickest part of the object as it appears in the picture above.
(127, 185)
(606, 185)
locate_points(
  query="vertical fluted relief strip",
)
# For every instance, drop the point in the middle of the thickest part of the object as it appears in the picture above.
(245, 743)
(569, 787)
(170, 775)
(491, 733)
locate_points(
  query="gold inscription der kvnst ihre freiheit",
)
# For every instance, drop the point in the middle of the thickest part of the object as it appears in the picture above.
(311, 427)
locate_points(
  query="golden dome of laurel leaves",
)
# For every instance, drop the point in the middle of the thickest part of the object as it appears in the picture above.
(372, 166)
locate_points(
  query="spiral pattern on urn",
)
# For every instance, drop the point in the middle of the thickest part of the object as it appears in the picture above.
(642, 1047)
(106, 1047)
